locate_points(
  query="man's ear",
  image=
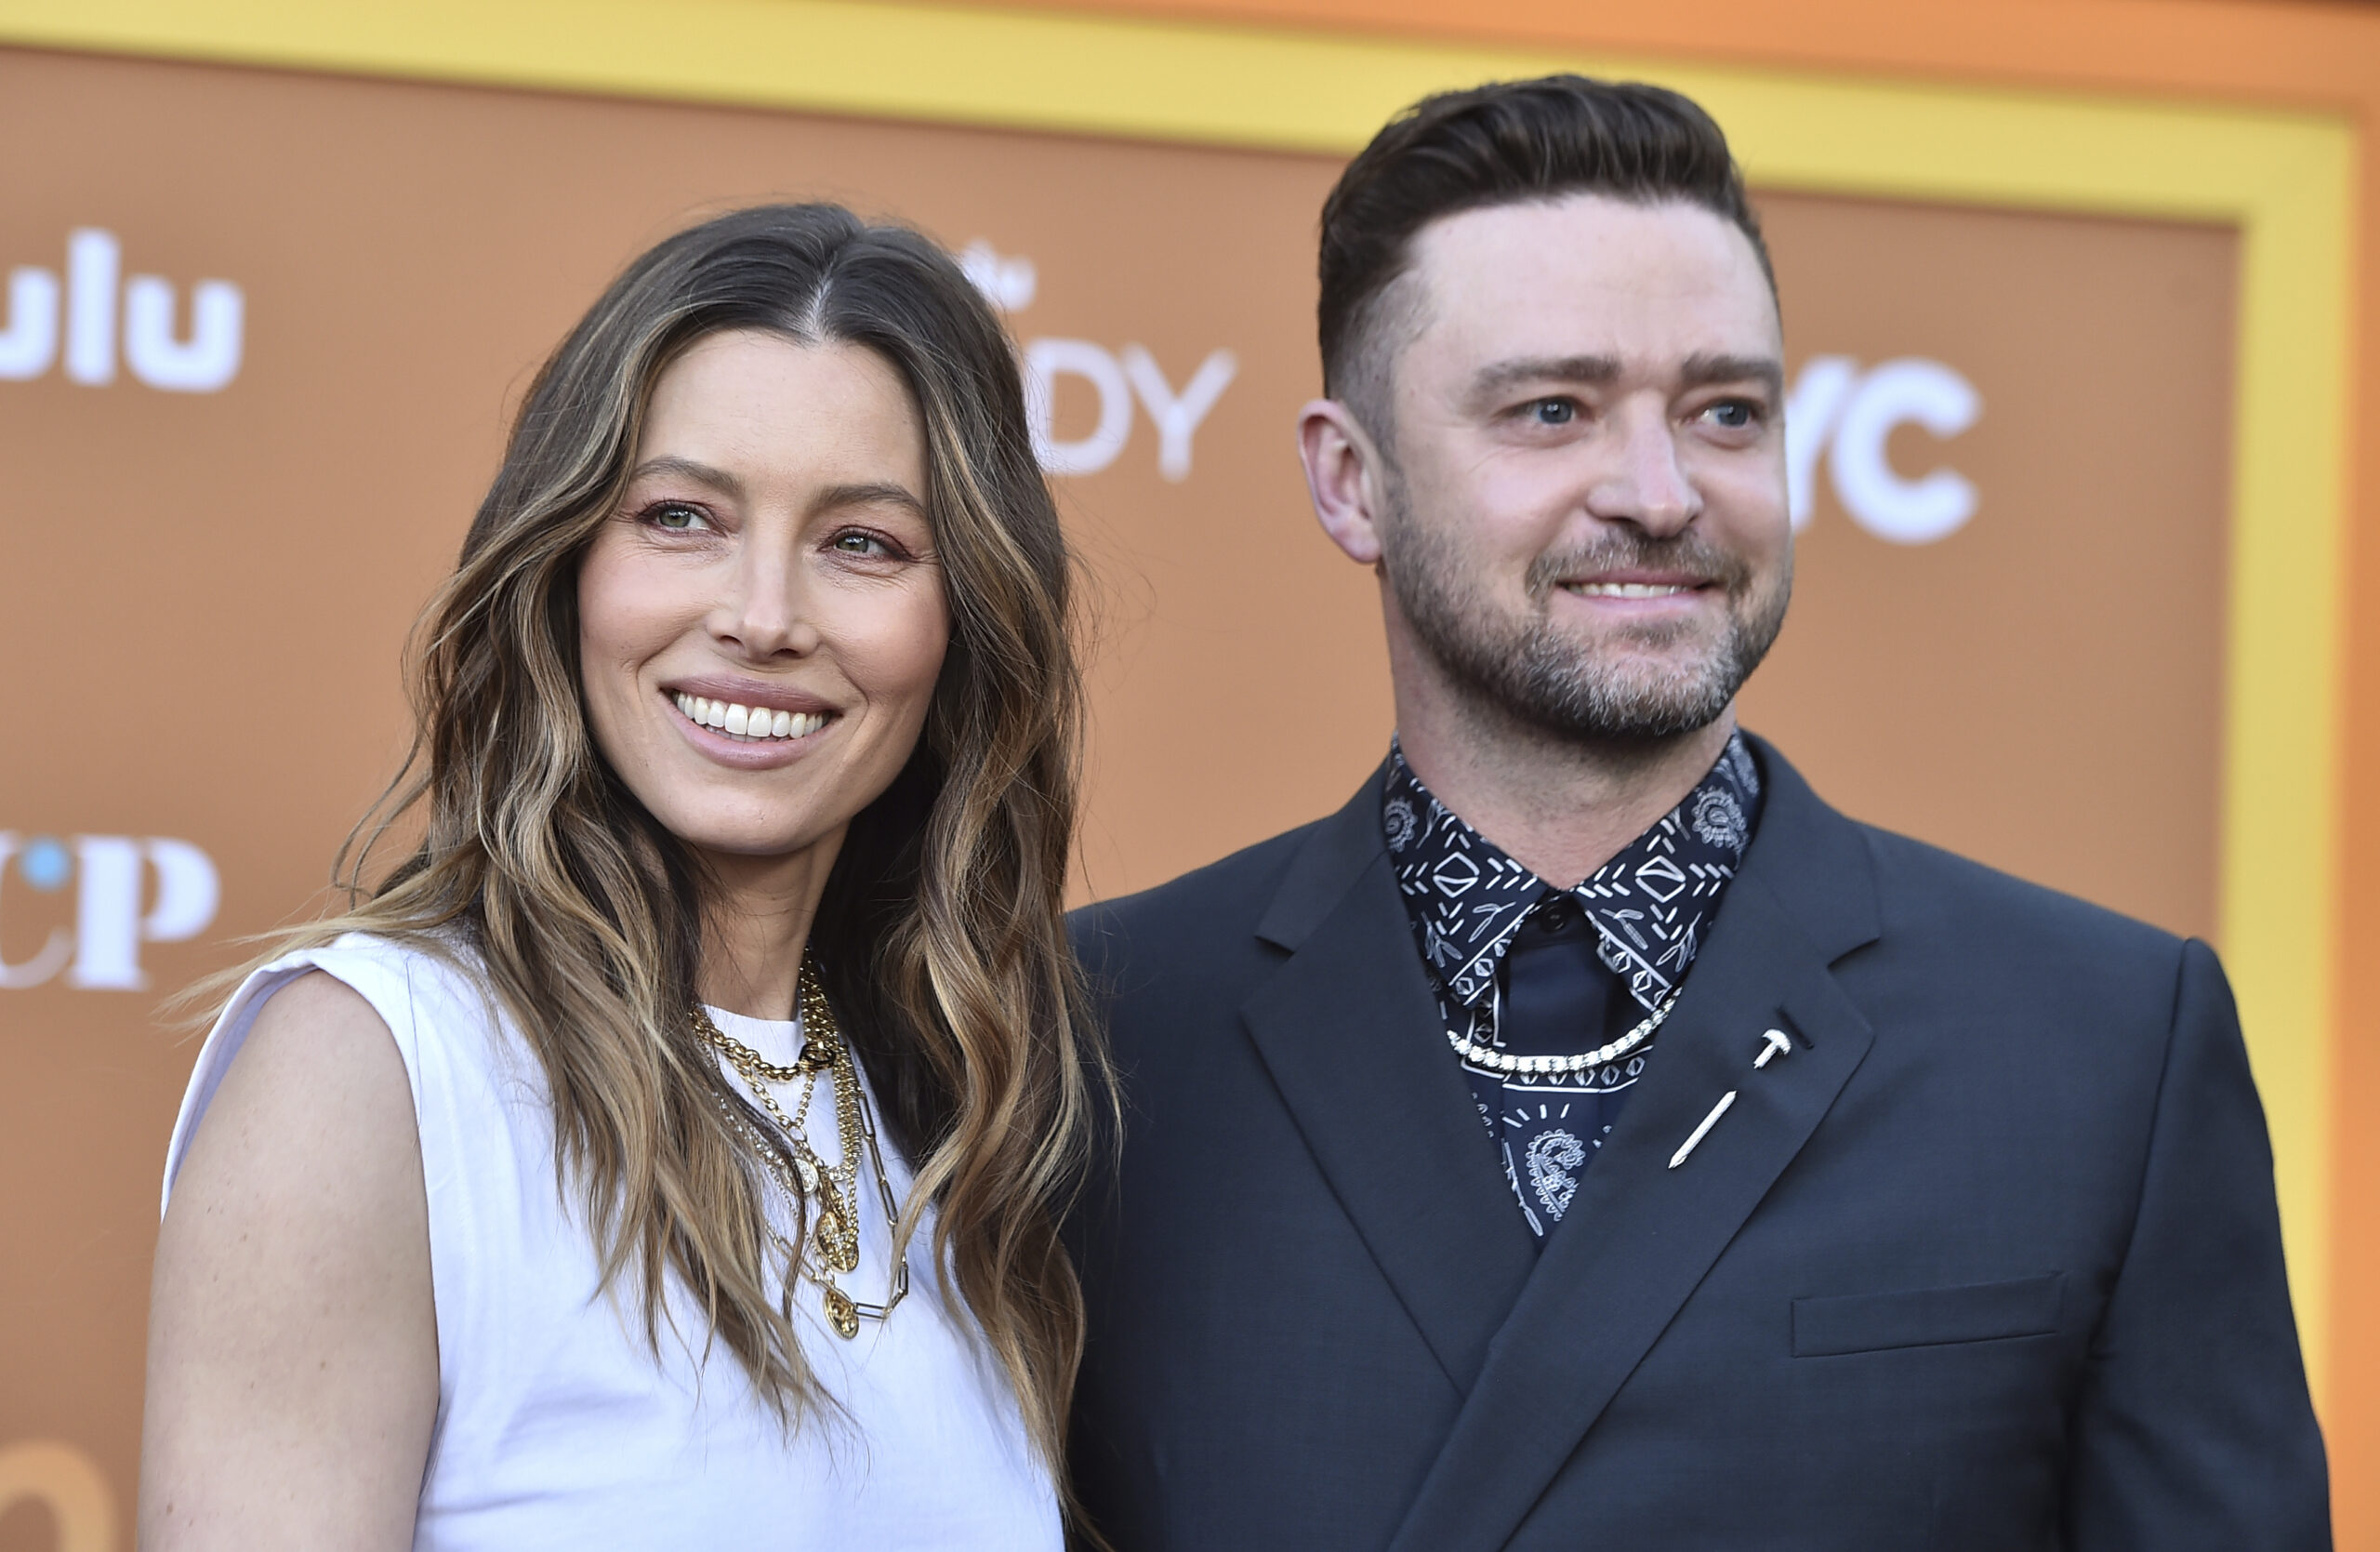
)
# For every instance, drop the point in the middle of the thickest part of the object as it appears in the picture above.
(1345, 476)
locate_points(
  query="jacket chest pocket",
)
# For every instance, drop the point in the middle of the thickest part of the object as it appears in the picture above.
(1927, 1317)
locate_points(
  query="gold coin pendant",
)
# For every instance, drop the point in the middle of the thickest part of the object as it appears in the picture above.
(840, 1312)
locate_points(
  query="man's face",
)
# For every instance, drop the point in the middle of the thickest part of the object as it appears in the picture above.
(1584, 514)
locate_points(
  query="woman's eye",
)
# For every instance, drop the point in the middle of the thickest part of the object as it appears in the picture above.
(852, 541)
(676, 517)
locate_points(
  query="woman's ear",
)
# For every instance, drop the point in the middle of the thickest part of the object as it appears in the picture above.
(1345, 477)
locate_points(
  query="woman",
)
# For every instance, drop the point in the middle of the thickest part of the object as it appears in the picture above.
(562, 1193)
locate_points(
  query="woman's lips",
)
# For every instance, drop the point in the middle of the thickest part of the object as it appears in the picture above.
(745, 750)
(750, 722)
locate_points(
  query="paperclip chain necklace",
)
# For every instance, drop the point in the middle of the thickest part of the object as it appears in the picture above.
(831, 1192)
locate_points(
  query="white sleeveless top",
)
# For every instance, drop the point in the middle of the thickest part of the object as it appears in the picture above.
(558, 1427)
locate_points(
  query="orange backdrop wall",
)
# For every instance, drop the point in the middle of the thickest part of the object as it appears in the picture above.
(213, 559)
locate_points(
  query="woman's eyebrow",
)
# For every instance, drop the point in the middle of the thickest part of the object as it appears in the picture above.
(868, 494)
(702, 473)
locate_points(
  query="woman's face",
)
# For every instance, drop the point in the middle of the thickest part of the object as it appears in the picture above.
(761, 620)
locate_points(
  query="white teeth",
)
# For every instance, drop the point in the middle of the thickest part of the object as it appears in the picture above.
(746, 722)
(1629, 590)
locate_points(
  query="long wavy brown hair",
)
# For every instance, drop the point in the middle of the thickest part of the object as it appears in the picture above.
(939, 937)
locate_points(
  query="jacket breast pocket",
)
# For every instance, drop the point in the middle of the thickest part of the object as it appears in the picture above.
(1927, 1317)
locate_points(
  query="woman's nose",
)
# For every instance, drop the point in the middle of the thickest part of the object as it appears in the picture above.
(765, 611)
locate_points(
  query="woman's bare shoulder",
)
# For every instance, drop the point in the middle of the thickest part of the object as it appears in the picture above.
(293, 1338)
(317, 1081)
(318, 1016)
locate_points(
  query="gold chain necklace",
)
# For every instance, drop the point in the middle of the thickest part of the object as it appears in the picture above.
(832, 1245)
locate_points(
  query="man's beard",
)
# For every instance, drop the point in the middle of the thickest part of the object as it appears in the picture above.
(1542, 679)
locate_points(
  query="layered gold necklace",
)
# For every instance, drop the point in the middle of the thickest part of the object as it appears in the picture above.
(828, 1195)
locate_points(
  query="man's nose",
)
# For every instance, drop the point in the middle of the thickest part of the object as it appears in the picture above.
(1646, 482)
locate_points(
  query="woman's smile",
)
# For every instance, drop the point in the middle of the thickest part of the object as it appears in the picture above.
(748, 723)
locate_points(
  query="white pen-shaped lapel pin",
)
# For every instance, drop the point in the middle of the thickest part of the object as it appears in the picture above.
(1702, 1131)
(1780, 1044)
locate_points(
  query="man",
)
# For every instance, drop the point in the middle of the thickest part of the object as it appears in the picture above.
(1586, 1137)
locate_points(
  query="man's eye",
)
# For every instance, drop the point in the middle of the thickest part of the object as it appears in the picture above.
(1734, 414)
(1553, 412)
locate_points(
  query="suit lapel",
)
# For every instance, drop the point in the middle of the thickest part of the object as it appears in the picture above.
(1640, 1235)
(1348, 1029)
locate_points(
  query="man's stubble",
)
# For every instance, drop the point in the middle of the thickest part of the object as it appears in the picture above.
(1538, 678)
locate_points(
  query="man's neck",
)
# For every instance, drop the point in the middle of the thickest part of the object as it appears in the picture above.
(1558, 806)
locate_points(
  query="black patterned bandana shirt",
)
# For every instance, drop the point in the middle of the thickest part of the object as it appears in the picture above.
(1625, 936)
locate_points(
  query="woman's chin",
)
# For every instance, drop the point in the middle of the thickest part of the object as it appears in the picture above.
(743, 845)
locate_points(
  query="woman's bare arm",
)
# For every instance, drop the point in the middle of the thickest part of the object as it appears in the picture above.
(293, 1347)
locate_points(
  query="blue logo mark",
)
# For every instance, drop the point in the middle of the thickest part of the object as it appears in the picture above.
(45, 864)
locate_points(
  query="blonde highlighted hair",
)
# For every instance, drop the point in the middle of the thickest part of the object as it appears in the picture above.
(941, 938)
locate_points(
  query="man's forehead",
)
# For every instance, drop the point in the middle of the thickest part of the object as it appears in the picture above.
(1589, 276)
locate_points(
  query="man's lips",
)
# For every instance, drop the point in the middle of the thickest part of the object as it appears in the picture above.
(1633, 586)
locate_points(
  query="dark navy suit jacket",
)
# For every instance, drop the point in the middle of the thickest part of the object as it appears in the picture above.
(1990, 1260)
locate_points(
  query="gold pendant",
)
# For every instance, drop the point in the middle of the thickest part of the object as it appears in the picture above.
(837, 1246)
(840, 1312)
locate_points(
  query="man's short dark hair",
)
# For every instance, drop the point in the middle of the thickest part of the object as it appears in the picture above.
(1507, 142)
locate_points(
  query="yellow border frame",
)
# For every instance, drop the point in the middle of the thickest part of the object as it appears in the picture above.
(2285, 180)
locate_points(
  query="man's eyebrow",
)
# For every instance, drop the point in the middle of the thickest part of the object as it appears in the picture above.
(701, 473)
(1698, 371)
(1493, 379)
(1702, 371)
